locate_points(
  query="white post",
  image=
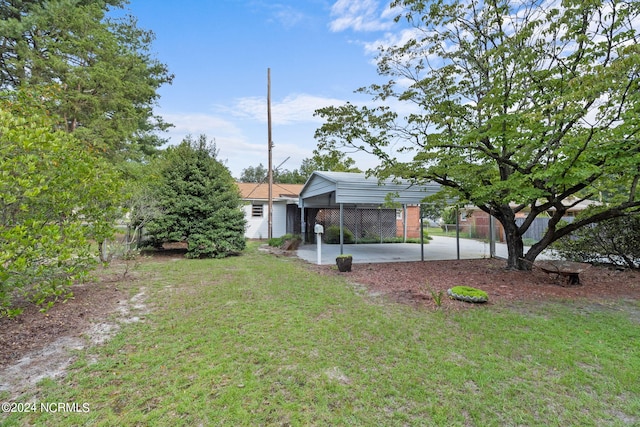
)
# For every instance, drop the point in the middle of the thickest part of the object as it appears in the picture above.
(319, 229)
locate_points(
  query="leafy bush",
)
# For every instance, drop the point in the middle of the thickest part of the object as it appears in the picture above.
(332, 235)
(449, 215)
(55, 197)
(615, 241)
(275, 242)
(369, 238)
(278, 242)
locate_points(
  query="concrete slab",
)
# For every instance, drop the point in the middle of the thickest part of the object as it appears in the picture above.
(439, 248)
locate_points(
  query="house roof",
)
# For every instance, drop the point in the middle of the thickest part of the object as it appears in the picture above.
(330, 189)
(260, 191)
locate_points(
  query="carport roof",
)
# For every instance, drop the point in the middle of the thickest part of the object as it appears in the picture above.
(331, 189)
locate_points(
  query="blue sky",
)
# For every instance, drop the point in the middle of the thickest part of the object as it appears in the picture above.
(319, 52)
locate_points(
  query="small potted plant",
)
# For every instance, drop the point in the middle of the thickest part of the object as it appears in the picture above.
(344, 262)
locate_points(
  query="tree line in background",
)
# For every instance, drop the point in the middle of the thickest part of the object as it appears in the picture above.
(320, 161)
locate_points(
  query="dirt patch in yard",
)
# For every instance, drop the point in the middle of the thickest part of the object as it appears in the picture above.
(36, 345)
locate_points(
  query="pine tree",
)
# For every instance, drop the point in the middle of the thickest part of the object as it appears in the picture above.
(200, 202)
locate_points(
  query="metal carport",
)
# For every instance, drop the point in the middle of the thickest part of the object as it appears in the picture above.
(327, 190)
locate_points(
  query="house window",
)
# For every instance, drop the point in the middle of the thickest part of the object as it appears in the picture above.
(257, 210)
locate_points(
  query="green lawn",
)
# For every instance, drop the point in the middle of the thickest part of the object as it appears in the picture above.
(260, 340)
(450, 231)
(438, 231)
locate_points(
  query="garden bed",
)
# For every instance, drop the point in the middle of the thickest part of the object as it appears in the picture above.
(412, 282)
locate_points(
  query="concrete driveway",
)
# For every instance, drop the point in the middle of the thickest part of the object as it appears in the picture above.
(439, 248)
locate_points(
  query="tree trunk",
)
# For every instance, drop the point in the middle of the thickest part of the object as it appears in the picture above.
(103, 251)
(533, 253)
(515, 246)
(515, 256)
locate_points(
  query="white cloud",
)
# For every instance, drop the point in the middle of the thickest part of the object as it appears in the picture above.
(240, 131)
(296, 108)
(359, 15)
(287, 16)
(197, 123)
(238, 149)
(391, 39)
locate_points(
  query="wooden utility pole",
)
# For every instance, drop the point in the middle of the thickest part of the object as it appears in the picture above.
(270, 144)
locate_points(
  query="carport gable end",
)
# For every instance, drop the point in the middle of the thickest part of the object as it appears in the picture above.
(331, 190)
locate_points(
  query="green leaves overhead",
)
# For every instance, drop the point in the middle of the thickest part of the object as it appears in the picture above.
(104, 76)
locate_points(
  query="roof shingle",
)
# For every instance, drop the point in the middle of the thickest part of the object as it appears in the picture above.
(255, 191)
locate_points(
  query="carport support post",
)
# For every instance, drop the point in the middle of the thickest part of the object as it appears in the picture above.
(341, 228)
(458, 231)
(404, 223)
(303, 225)
(421, 234)
(492, 237)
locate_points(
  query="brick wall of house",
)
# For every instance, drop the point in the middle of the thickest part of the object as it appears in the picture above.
(413, 223)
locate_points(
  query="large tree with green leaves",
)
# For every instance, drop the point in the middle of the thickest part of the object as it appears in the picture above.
(519, 107)
(94, 72)
(55, 198)
(198, 200)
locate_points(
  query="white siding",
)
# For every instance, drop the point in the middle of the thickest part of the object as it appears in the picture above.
(279, 219)
(258, 227)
